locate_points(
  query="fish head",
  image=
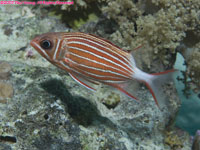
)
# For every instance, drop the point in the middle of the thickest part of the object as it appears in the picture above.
(48, 44)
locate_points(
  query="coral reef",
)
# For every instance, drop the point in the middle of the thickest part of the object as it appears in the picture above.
(48, 110)
(162, 27)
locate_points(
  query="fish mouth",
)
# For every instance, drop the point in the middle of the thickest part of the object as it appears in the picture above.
(34, 42)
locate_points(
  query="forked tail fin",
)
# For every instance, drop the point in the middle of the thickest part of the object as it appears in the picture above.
(154, 83)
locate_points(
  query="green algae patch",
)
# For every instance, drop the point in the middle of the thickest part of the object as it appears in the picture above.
(76, 24)
(75, 16)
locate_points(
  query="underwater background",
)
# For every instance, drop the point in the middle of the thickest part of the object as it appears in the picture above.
(42, 107)
(188, 115)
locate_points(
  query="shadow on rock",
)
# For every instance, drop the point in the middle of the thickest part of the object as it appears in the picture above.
(79, 108)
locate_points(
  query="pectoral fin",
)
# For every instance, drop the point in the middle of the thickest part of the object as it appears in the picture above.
(82, 81)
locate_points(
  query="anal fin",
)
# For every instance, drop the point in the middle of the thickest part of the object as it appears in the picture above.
(117, 86)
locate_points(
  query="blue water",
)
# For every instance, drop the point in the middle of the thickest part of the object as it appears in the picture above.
(188, 117)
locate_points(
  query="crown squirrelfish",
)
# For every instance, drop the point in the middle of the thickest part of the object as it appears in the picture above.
(88, 58)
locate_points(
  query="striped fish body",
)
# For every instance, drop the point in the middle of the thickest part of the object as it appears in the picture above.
(97, 59)
(87, 56)
(93, 59)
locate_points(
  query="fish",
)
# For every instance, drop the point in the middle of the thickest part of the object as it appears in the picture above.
(91, 60)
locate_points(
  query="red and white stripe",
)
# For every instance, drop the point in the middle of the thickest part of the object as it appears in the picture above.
(96, 58)
(57, 50)
(88, 58)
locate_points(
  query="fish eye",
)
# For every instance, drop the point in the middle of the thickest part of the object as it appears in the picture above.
(46, 44)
